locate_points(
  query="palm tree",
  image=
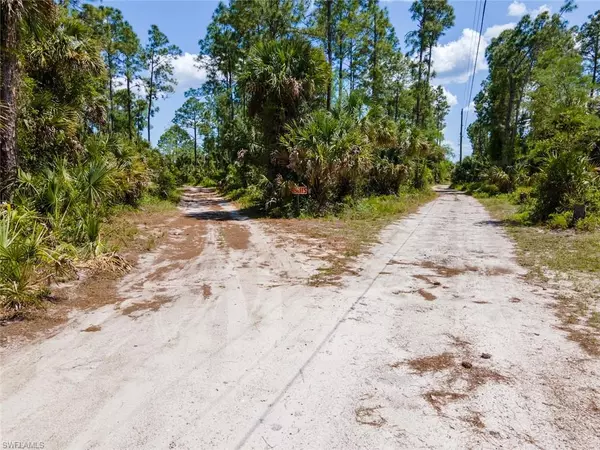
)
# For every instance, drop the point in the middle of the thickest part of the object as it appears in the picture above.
(329, 153)
(281, 77)
(15, 15)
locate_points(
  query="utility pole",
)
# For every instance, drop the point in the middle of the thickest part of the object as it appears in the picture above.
(461, 133)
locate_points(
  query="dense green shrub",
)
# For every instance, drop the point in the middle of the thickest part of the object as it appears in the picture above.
(470, 170)
(566, 180)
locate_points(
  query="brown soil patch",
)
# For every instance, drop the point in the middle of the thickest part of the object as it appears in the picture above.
(159, 274)
(187, 245)
(92, 328)
(447, 272)
(427, 280)
(481, 302)
(427, 295)
(438, 399)
(369, 416)
(153, 305)
(206, 290)
(236, 236)
(515, 300)
(30, 324)
(435, 363)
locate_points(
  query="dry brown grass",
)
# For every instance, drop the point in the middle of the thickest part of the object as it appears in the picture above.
(92, 328)
(447, 272)
(427, 280)
(438, 398)
(474, 419)
(369, 416)
(435, 363)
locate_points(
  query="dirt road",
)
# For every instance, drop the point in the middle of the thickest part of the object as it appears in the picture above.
(219, 341)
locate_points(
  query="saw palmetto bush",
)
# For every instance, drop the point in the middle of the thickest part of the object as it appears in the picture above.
(25, 249)
(329, 154)
(566, 180)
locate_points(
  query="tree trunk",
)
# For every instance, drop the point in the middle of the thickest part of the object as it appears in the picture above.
(375, 40)
(230, 88)
(341, 72)
(426, 96)
(329, 58)
(595, 67)
(110, 93)
(507, 151)
(351, 64)
(418, 104)
(9, 80)
(429, 63)
(129, 124)
(420, 73)
(396, 101)
(150, 93)
(195, 147)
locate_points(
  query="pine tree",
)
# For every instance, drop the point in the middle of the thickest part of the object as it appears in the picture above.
(158, 59)
(589, 38)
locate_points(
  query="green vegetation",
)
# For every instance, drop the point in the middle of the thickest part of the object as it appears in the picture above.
(322, 98)
(537, 130)
(71, 151)
(567, 261)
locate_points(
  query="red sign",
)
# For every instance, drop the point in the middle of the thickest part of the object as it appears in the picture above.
(300, 190)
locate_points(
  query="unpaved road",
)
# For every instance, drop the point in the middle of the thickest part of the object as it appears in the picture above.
(219, 342)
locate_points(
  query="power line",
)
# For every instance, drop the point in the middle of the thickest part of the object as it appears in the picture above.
(476, 13)
(476, 56)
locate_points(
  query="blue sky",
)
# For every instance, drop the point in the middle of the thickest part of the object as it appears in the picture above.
(185, 22)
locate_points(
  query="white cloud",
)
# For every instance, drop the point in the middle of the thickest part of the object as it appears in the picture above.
(470, 108)
(495, 30)
(453, 60)
(187, 72)
(137, 86)
(517, 9)
(450, 97)
(538, 11)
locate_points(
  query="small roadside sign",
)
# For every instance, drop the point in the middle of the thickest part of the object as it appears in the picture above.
(300, 190)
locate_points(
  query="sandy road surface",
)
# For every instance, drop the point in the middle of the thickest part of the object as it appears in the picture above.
(219, 342)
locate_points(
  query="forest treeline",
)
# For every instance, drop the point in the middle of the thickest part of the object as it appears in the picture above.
(313, 94)
(317, 94)
(537, 129)
(298, 93)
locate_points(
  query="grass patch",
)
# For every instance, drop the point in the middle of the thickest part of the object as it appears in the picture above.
(339, 239)
(137, 229)
(568, 259)
(541, 248)
(245, 198)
